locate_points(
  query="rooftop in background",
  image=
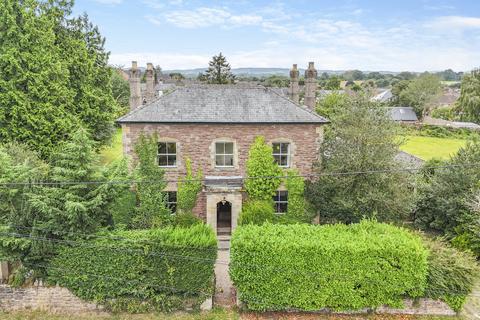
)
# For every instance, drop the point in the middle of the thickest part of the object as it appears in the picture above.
(222, 104)
(406, 114)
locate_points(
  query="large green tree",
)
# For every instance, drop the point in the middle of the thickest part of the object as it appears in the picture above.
(447, 199)
(219, 71)
(53, 75)
(469, 102)
(73, 199)
(362, 138)
(418, 93)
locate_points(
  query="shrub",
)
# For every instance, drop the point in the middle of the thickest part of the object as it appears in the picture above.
(186, 219)
(451, 273)
(256, 212)
(298, 209)
(123, 209)
(261, 163)
(188, 189)
(305, 267)
(141, 270)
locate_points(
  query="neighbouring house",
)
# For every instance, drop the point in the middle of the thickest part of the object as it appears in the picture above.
(403, 114)
(214, 126)
(383, 96)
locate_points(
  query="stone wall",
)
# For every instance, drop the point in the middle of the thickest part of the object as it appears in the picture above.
(421, 307)
(50, 299)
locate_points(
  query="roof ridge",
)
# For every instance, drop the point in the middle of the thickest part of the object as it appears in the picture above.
(298, 105)
(138, 109)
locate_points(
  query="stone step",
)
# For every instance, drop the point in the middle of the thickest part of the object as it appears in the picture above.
(224, 245)
(226, 237)
(223, 230)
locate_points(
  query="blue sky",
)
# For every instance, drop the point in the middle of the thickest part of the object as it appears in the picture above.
(413, 35)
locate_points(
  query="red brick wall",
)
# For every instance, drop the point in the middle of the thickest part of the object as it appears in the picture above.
(195, 141)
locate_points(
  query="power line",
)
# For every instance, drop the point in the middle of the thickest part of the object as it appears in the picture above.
(230, 179)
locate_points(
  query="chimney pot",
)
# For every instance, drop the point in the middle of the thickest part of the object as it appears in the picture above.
(294, 88)
(134, 81)
(310, 86)
(150, 84)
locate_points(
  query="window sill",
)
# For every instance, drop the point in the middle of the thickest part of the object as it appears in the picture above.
(229, 168)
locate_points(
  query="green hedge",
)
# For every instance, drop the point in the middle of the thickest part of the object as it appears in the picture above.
(138, 271)
(304, 267)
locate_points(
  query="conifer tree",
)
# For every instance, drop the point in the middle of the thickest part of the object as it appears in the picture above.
(219, 71)
(53, 75)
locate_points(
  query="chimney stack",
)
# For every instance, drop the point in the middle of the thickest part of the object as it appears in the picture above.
(150, 83)
(294, 90)
(310, 86)
(134, 80)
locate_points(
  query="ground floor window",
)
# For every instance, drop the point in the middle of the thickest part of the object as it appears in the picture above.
(281, 201)
(172, 201)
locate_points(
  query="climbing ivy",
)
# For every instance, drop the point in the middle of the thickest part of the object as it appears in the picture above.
(188, 189)
(261, 163)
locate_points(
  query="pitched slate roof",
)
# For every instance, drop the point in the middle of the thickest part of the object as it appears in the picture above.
(402, 114)
(222, 104)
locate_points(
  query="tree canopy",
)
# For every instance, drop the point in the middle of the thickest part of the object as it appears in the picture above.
(54, 76)
(361, 138)
(219, 71)
(469, 102)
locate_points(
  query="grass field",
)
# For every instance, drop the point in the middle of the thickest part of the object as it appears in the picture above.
(427, 148)
(114, 151)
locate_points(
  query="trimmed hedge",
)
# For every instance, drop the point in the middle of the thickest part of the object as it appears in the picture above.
(139, 271)
(340, 267)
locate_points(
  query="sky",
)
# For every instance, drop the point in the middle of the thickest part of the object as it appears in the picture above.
(370, 35)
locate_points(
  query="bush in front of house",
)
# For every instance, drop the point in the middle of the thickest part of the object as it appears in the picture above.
(256, 212)
(142, 270)
(340, 267)
(451, 273)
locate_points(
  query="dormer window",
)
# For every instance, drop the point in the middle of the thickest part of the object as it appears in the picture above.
(167, 154)
(281, 153)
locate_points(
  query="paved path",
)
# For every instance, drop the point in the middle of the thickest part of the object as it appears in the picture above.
(471, 309)
(223, 286)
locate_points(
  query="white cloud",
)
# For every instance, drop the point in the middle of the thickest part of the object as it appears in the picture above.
(246, 20)
(454, 22)
(201, 17)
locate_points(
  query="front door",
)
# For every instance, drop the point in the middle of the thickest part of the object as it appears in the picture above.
(224, 217)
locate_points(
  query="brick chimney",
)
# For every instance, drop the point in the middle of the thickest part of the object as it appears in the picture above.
(134, 80)
(310, 86)
(294, 90)
(150, 83)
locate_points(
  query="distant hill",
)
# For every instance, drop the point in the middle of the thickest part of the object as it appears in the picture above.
(253, 72)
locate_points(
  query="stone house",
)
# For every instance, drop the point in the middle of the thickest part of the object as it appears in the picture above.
(214, 126)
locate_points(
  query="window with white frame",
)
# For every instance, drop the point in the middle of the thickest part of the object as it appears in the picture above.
(281, 153)
(172, 201)
(224, 154)
(281, 201)
(167, 154)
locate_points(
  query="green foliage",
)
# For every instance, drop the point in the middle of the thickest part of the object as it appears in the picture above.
(298, 209)
(120, 92)
(284, 267)
(469, 101)
(188, 189)
(329, 104)
(444, 202)
(256, 212)
(333, 83)
(54, 76)
(186, 219)
(123, 209)
(218, 71)
(260, 163)
(451, 274)
(361, 138)
(67, 206)
(420, 93)
(446, 113)
(152, 209)
(276, 81)
(140, 271)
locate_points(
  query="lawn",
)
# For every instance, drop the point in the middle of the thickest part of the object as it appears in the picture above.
(427, 148)
(114, 150)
